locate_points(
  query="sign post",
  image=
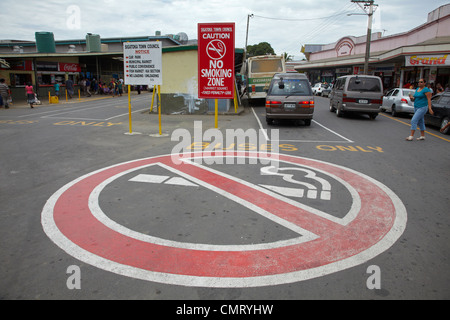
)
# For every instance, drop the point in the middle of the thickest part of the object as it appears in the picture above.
(216, 62)
(129, 108)
(142, 66)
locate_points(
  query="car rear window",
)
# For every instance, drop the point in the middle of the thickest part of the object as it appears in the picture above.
(363, 84)
(292, 87)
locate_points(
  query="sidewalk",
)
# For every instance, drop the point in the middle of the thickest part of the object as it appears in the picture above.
(62, 101)
(45, 103)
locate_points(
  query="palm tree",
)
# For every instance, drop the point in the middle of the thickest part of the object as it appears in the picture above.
(287, 57)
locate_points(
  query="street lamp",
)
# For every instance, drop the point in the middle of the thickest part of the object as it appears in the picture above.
(370, 4)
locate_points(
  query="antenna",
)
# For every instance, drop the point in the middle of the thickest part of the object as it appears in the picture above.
(183, 37)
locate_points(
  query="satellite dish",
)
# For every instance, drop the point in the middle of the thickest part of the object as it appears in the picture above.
(183, 37)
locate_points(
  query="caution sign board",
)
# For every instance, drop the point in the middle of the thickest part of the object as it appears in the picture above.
(142, 63)
(216, 60)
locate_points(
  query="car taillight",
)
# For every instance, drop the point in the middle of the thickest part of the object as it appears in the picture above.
(307, 104)
(271, 103)
(253, 88)
(376, 101)
(404, 101)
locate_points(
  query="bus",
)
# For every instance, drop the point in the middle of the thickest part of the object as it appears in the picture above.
(259, 71)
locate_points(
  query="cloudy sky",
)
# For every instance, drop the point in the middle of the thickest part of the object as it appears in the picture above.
(286, 25)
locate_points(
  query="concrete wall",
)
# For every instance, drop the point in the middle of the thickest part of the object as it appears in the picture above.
(179, 92)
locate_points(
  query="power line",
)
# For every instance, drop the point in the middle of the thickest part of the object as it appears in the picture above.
(318, 29)
(311, 19)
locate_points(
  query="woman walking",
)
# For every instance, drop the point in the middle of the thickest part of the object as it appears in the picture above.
(421, 99)
(30, 94)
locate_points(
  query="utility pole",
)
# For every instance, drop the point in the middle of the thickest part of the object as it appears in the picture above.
(370, 4)
(246, 37)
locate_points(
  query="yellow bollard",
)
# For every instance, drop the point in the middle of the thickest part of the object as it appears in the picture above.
(159, 109)
(153, 98)
(49, 98)
(79, 94)
(217, 113)
(235, 101)
(66, 96)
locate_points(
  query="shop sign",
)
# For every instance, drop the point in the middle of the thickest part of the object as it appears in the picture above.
(24, 65)
(69, 67)
(345, 47)
(427, 60)
(47, 66)
(343, 70)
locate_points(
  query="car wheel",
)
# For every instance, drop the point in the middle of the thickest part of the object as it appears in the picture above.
(339, 112)
(443, 124)
(307, 122)
(332, 109)
(373, 116)
(269, 121)
(394, 111)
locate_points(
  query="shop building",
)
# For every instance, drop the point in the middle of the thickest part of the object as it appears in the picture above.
(400, 59)
(45, 61)
(43, 64)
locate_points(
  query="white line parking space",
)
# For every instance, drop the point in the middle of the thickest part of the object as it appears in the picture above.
(314, 134)
(104, 109)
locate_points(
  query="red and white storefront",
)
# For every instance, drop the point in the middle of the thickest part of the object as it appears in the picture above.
(400, 59)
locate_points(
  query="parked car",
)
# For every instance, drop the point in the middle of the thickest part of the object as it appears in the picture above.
(397, 101)
(318, 88)
(441, 108)
(326, 91)
(290, 97)
(357, 93)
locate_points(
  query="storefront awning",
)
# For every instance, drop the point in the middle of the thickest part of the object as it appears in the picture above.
(395, 55)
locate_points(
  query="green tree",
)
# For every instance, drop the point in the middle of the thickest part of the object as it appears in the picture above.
(259, 49)
(287, 57)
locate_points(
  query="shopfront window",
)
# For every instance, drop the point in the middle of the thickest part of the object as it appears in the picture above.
(18, 79)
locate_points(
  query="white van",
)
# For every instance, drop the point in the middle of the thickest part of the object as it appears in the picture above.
(357, 93)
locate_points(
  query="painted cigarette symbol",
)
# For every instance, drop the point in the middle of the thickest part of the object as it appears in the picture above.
(311, 190)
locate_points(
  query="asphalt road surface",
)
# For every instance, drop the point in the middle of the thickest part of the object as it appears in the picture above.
(348, 209)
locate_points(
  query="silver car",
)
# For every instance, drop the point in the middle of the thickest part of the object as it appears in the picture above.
(357, 93)
(290, 97)
(397, 101)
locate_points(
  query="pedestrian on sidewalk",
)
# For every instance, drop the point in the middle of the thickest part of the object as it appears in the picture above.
(422, 104)
(69, 88)
(88, 87)
(57, 86)
(4, 93)
(29, 91)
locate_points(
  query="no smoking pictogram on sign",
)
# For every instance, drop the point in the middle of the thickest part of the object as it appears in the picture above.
(73, 220)
(216, 49)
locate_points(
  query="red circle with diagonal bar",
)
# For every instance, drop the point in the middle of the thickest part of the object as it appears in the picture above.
(68, 220)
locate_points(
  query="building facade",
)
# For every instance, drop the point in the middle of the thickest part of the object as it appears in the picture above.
(400, 59)
(44, 64)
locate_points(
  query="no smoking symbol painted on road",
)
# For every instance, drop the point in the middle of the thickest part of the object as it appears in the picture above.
(72, 219)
